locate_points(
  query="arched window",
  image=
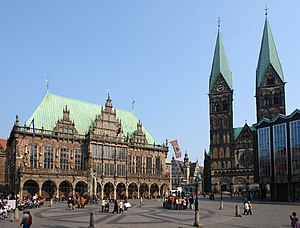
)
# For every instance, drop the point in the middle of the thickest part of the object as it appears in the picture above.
(221, 152)
(215, 153)
(225, 105)
(276, 99)
(216, 107)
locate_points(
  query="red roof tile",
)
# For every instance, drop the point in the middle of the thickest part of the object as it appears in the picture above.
(3, 143)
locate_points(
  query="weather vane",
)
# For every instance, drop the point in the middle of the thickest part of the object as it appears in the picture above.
(47, 84)
(219, 22)
(266, 10)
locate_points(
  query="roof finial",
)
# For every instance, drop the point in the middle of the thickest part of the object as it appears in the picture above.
(108, 93)
(47, 84)
(266, 10)
(132, 103)
(219, 22)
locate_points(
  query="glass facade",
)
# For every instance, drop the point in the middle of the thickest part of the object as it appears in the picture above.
(280, 150)
(295, 146)
(264, 152)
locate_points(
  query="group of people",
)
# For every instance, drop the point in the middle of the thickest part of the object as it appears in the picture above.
(179, 203)
(73, 201)
(118, 207)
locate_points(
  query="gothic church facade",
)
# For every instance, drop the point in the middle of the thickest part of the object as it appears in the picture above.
(230, 163)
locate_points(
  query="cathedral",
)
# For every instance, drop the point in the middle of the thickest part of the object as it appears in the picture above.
(230, 164)
(71, 148)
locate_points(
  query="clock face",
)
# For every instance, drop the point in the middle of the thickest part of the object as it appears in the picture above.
(220, 88)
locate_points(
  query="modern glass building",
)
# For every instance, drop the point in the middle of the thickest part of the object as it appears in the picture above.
(278, 156)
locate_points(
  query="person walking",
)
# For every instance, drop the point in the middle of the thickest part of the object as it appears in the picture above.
(115, 207)
(103, 205)
(29, 218)
(250, 208)
(25, 220)
(246, 208)
(121, 207)
(293, 219)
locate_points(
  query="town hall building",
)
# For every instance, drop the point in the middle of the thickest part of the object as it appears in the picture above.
(71, 148)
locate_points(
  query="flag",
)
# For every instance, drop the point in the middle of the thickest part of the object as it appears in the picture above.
(176, 148)
(32, 123)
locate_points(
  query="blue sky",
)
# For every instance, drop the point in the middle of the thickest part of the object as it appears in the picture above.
(158, 53)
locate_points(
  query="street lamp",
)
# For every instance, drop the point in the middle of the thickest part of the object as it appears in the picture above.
(197, 207)
(221, 200)
(248, 196)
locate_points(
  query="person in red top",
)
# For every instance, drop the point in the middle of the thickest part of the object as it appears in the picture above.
(30, 218)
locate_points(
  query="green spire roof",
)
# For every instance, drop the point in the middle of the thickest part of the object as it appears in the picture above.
(82, 113)
(268, 55)
(220, 65)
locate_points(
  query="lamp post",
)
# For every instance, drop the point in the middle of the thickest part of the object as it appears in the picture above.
(221, 200)
(231, 189)
(197, 207)
(248, 196)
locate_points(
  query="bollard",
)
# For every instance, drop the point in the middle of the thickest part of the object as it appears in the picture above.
(51, 203)
(221, 205)
(237, 211)
(92, 221)
(197, 218)
(16, 215)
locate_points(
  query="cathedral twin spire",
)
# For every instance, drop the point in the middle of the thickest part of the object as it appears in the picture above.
(220, 64)
(268, 55)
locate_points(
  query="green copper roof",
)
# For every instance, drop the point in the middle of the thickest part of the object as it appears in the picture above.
(82, 113)
(237, 131)
(268, 55)
(220, 64)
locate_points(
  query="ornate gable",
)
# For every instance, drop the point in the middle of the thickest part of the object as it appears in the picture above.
(106, 123)
(65, 125)
(138, 135)
(244, 156)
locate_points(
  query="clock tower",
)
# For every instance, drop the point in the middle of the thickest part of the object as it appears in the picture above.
(221, 117)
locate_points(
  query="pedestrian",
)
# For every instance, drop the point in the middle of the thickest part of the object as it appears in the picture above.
(293, 219)
(250, 208)
(246, 208)
(29, 218)
(115, 207)
(25, 220)
(121, 206)
(103, 205)
(82, 202)
(297, 225)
